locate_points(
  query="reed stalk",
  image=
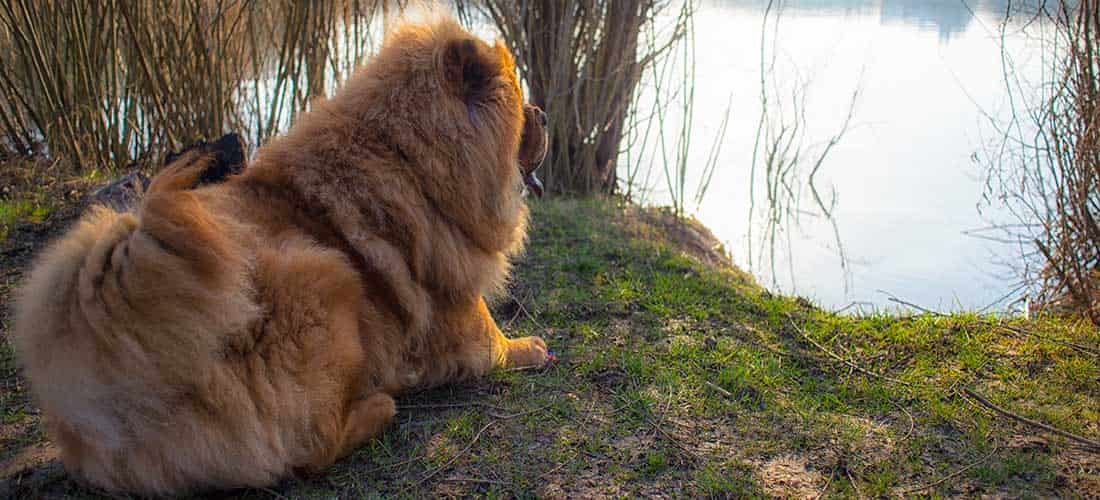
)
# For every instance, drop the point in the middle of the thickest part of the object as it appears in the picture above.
(102, 83)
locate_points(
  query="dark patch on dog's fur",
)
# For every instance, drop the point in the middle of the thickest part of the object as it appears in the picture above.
(125, 192)
(228, 152)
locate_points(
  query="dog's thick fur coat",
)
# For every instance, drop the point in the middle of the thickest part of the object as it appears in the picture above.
(228, 335)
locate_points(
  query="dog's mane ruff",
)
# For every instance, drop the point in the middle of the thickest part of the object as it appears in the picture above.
(439, 208)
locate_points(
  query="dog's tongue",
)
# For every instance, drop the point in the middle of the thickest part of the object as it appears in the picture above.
(533, 183)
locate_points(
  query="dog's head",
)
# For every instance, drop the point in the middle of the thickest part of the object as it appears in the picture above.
(462, 99)
(481, 78)
(445, 111)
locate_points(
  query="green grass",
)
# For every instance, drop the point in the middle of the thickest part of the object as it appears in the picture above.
(21, 211)
(678, 379)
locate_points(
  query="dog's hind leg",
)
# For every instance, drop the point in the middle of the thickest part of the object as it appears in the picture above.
(366, 419)
(311, 339)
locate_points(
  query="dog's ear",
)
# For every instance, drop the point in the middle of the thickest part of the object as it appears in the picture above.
(467, 69)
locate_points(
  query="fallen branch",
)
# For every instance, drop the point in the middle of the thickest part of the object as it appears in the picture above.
(455, 458)
(449, 406)
(912, 422)
(273, 493)
(528, 368)
(475, 480)
(527, 313)
(852, 481)
(1019, 418)
(1078, 347)
(473, 441)
(846, 361)
(520, 414)
(894, 298)
(687, 452)
(949, 476)
(828, 481)
(719, 390)
(557, 467)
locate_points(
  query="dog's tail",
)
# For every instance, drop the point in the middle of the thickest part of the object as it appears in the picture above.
(116, 275)
(125, 310)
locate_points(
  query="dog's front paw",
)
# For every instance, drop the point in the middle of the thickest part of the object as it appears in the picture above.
(526, 352)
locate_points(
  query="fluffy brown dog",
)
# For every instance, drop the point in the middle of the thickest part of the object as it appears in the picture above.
(228, 335)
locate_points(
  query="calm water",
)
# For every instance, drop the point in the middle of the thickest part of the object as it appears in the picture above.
(905, 182)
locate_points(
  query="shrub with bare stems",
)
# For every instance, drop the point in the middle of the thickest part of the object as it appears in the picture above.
(1047, 164)
(582, 62)
(99, 82)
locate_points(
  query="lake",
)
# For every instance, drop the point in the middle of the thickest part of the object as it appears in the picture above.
(905, 177)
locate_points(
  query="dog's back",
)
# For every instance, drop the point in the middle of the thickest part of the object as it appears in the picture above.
(143, 340)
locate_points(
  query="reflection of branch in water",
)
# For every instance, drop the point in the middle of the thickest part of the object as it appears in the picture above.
(780, 151)
(712, 157)
(828, 212)
(760, 122)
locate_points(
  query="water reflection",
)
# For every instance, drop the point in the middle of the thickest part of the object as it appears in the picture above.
(906, 187)
(946, 17)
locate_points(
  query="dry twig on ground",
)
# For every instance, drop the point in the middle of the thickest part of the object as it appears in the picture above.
(1094, 445)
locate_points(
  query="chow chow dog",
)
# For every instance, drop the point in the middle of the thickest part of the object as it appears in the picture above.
(227, 335)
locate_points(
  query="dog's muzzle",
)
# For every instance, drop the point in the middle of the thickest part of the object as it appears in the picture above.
(530, 179)
(533, 183)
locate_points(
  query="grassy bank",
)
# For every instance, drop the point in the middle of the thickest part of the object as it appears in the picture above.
(679, 378)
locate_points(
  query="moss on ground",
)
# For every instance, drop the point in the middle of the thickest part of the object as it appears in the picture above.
(682, 379)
